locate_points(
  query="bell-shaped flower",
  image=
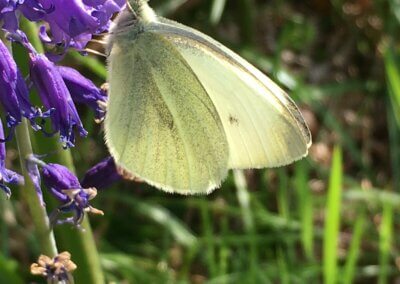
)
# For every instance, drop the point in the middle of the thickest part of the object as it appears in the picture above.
(102, 174)
(72, 23)
(8, 16)
(35, 10)
(14, 95)
(55, 96)
(10, 10)
(7, 176)
(83, 91)
(65, 186)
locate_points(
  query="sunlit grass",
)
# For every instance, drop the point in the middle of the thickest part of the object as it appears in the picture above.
(330, 218)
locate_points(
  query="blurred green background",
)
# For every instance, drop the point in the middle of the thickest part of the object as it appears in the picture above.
(330, 218)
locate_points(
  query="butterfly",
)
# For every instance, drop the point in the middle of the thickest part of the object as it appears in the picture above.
(183, 109)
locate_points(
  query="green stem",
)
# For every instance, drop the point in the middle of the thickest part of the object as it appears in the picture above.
(38, 212)
(31, 32)
(80, 243)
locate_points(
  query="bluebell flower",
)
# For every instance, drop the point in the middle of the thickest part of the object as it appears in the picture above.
(7, 14)
(83, 91)
(35, 10)
(65, 186)
(10, 10)
(55, 96)
(6, 175)
(72, 23)
(14, 95)
(102, 174)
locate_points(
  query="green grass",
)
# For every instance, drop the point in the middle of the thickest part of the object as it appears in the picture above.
(353, 255)
(330, 218)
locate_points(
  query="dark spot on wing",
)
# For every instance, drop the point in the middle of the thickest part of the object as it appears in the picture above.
(171, 124)
(233, 120)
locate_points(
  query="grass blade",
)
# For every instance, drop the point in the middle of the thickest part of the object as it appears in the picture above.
(217, 10)
(208, 236)
(305, 208)
(282, 195)
(332, 219)
(355, 249)
(243, 197)
(161, 216)
(385, 242)
(393, 82)
(283, 267)
(386, 226)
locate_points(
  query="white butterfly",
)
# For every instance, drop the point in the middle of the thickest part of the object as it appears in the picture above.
(183, 109)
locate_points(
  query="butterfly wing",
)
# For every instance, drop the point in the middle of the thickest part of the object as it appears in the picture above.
(161, 125)
(264, 128)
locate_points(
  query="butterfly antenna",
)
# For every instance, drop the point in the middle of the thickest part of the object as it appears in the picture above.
(102, 34)
(130, 7)
(95, 52)
(98, 41)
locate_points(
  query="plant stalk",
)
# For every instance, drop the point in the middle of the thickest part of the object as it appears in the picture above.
(38, 212)
(80, 243)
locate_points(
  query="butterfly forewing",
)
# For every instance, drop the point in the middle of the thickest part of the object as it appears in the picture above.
(161, 125)
(263, 126)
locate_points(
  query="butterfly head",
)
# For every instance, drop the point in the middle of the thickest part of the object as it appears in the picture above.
(131, 22)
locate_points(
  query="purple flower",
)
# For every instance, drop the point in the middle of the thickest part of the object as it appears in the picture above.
(55, 95)
(31, 9)
(83, 91)
(6, 176)
(14, 92)
(65, 186)
(7, 14)
(101, 175)
(34, 11)
(72, 23)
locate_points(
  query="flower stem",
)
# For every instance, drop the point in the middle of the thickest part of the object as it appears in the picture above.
(39, 215)
(38, 212)
(80, 243)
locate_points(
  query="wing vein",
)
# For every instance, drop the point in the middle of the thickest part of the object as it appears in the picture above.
(177, 123)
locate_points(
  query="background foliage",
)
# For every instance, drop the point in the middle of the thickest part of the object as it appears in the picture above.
(330, 218)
